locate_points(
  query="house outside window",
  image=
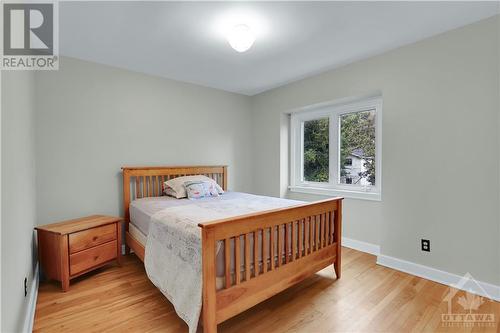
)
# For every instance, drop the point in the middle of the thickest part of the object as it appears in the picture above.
(355, 167)
(336, 149)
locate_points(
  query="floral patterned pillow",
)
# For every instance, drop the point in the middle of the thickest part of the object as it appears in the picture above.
(200, 189)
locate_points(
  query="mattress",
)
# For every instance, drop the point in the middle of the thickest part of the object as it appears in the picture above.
(137, 234)
(141, 210)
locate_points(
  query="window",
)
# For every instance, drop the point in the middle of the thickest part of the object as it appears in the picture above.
(316, 153)
(357, 142)
(335, 150)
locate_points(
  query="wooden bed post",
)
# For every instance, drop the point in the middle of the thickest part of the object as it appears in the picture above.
(126, 204)
(224, 182)
(338, 239)
(209, 287)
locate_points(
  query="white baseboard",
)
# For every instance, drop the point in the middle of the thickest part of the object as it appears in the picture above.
(29, 319)
(361, 246)
(484, 289)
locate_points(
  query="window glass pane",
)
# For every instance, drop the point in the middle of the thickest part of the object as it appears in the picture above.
(357, 148)
(316, 157)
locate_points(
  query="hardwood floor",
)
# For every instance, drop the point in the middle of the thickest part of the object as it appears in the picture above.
(368, 298)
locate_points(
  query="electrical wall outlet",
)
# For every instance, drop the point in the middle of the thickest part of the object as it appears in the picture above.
(25, 286)
(426, 245)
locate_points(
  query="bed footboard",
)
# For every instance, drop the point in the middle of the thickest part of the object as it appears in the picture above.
(311, 234)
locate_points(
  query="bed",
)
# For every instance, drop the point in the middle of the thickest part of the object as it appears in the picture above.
(143, 211)
(245, 259)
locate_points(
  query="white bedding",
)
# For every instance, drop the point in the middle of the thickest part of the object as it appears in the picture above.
(220, 278)
(141, 210)
(173, 247)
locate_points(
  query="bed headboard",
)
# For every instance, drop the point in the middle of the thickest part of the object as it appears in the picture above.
(146, 181)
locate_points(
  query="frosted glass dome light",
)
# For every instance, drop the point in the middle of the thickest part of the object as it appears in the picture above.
(241, 37)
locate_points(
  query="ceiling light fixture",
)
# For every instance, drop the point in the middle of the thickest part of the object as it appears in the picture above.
(241, 37)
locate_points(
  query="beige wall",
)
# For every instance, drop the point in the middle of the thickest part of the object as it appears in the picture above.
(440, 148)
(18, 195)
(92, 119)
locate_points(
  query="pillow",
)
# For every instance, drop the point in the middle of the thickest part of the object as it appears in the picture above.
(168, 191)
(200, 189)
(175, 187)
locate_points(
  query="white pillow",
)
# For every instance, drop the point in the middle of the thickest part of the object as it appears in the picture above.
(168, 191)
(175, 187)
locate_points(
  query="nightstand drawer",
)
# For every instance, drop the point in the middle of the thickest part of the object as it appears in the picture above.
(86, 239)
(92, 257)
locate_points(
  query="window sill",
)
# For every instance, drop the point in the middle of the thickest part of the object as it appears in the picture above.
(372, 196)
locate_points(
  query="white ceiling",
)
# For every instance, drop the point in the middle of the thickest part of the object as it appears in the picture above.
(185, 41)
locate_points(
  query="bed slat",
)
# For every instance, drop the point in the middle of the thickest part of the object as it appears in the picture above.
(256, 254)
(158, 186)
(227, 262)
(325, 215)
(300, 238)
(154, 186)
(265, 248)
(247, 257)
(278, 249)
(332, 229)
(287, 243)
(150, 190)
(327, 228)
(320, 243)
(271, 246)
(237, 260)
(137, 189)
(309, 235)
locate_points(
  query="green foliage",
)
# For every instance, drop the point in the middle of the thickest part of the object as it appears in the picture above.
(358, 132)
(316, 150)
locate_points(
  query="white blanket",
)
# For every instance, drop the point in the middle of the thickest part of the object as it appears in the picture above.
(173, 249)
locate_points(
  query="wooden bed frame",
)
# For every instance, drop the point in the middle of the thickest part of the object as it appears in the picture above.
(315, 243)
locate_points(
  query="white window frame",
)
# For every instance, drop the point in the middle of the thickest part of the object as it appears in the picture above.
(333, 187)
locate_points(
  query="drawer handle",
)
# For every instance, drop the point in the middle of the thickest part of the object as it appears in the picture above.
(96, 257)
(94, 238)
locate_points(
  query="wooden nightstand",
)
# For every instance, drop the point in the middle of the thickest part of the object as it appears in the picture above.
(71, 248)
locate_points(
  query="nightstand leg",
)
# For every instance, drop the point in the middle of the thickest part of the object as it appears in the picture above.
(63, 248)
(119, 241)
(65, 284)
